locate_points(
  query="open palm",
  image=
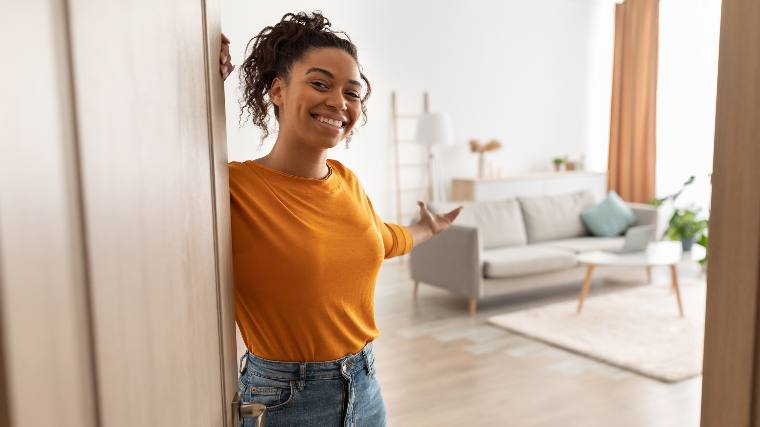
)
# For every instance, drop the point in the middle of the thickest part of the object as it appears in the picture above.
(437, 222)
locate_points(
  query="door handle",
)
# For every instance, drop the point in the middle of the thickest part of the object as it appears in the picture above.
(241, 411)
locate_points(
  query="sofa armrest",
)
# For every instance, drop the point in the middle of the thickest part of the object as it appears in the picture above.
(645, 214)
(450, 260)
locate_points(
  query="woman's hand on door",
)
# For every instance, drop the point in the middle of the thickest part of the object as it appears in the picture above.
(225, 62)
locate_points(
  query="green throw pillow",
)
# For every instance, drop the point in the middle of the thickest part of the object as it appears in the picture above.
(611, 217)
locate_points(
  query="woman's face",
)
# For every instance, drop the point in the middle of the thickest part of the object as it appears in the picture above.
(322, 100)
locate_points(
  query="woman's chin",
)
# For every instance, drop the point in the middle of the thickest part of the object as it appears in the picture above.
(331, 143)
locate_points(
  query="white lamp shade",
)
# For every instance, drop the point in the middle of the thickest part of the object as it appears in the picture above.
(434, 129)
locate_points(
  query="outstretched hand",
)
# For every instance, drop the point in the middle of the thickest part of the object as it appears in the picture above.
(437, 222)
(225, 63)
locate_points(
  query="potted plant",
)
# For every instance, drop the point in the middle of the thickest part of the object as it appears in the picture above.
(686, 227)
(682, 224)
(558, 161)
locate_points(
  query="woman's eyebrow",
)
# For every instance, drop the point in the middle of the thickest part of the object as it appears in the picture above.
(329, 74)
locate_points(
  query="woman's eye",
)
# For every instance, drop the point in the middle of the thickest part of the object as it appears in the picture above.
(319, 85)
(354, 95)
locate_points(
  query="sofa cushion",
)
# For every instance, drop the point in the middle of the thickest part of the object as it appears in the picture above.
(556, 216)
(524, 260)
(585, 244)
(499, 223)
(611, 217)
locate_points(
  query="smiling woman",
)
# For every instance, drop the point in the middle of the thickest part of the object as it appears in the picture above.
(307, 244)
(328, 64)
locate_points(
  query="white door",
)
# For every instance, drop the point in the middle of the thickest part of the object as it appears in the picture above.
(115, 285)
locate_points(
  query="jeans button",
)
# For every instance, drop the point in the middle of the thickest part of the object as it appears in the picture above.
(343, 368)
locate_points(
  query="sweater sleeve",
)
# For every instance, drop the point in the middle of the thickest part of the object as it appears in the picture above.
(397, 239)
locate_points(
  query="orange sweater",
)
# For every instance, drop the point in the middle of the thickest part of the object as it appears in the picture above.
(306, 253)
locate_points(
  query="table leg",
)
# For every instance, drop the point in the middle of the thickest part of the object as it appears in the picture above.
(649, 274)
(674, 275)
(585, 287)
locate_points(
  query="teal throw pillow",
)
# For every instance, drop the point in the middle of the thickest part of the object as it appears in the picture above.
(610, 218)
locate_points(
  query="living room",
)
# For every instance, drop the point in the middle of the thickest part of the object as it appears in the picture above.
(537, 78)
(603, 269)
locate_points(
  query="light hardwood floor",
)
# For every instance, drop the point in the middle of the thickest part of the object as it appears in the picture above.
(438, 366)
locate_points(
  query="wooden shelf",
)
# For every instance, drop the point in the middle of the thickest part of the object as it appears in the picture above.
(529, 184)
(533, 175)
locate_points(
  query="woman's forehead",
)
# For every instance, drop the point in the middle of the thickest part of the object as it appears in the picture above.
(330, 62)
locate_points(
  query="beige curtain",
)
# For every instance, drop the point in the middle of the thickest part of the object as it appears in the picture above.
(631, 164)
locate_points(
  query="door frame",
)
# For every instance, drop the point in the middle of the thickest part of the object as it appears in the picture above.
(731, 381)
(212, 40)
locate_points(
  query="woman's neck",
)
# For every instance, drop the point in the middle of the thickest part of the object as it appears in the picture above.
(295, 159)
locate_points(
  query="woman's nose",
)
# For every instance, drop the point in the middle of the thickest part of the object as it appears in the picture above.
(336, 99)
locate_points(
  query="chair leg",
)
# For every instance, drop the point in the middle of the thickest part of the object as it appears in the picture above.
(416, 290)
(472, 306)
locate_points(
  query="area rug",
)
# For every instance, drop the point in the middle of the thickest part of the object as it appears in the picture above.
(635, 329)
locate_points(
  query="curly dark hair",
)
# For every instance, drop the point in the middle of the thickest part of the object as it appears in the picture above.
(274, 51)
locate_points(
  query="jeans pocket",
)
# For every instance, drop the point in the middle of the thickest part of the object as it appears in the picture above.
(272, 393)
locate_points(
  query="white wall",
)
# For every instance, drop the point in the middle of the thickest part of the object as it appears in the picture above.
(687, 84)
(533, 74)
(601, 58)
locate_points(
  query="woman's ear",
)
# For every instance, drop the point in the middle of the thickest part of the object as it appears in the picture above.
(275, 92)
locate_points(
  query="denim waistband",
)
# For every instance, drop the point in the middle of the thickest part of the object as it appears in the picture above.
(362, 359)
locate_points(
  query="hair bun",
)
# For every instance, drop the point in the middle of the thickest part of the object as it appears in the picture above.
(315, 22)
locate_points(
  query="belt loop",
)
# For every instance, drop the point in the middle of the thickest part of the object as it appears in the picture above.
(302, 377)
(368, 361)
(240, 365)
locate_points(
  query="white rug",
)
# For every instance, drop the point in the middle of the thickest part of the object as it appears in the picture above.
(636, 329)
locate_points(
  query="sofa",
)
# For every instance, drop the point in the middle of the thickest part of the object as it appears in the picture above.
(513, 245)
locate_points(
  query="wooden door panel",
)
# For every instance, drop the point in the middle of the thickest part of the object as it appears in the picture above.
(141, 86)
(48, 378)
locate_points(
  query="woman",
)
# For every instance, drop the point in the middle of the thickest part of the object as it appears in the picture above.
(306, 242)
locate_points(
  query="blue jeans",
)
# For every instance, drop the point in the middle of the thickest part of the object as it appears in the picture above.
(341, 392)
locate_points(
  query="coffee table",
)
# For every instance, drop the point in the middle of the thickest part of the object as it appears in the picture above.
(661, 253)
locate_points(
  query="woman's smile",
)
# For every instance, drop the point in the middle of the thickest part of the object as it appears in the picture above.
(334, 126)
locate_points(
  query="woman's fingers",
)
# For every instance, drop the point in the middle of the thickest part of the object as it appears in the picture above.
(225, 60)
(227, 70)
(225, 56)
(451, 216)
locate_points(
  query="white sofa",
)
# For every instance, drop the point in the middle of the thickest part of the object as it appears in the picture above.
(513, 245)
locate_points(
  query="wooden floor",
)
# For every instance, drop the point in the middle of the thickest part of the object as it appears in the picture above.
(438, 366)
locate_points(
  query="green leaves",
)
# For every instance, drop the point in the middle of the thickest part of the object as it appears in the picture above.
(684, 224)
(703, 242)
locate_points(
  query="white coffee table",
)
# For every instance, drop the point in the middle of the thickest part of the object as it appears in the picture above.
(662, 253)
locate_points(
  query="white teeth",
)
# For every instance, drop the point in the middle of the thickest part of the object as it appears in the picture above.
(336, 123)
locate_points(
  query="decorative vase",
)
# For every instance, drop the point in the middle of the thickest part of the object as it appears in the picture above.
(686, 243)
(481, 165)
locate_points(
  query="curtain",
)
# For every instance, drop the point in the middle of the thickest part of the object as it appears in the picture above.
(632, 149)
